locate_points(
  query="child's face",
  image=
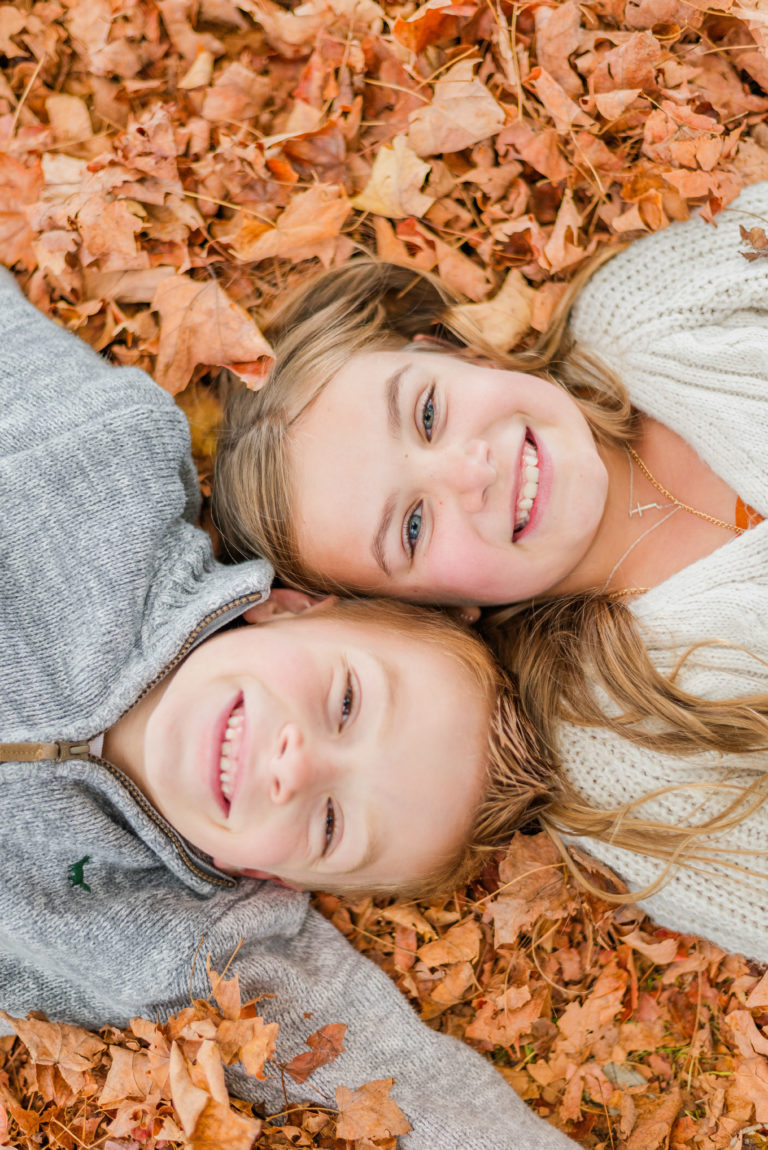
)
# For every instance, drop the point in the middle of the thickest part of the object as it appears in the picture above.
(428, 477)
(353, 751)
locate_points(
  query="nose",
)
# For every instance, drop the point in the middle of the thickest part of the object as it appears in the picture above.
(467, 471)
(293, 766)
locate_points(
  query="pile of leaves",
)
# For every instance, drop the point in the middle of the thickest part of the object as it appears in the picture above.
(168, 169)
(164, 1085)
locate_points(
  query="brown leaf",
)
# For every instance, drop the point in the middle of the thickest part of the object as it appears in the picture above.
(129, 1077)
(237, 94)
(326, 1044)
(503, 1020)
(393, 188)
(226, 991)
(249, 1040)
(663, 951)
(56, 1042)
(432, 22)
(750, 1084)
(505, 319)
(758, 995)
(757, 242)
(749, 1040)
(369, 1112)
(308, 228)
(557, 37)
(462, 112)
(19, 185)
(652, 1131)
(563, 110)
(459, 944)
(11, 23)
(531, 885)
(580, 1021)
(69, 118)
(200, 325)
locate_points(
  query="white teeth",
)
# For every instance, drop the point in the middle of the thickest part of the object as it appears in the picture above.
(230, 748)
(530, 485)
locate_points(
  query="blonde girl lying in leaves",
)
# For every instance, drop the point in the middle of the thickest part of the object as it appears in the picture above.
(155, 759)
(607, 490)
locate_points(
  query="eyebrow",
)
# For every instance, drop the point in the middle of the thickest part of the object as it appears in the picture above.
(394, 423)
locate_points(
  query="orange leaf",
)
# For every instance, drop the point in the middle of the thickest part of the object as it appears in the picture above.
(200, 325)
(369, 1112)
(393, 188)
(309, 227)
(459, 944)
(326, 1044)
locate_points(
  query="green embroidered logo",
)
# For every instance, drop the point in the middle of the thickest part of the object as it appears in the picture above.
(75, 873)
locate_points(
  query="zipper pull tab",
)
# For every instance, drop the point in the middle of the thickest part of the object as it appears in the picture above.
(57, 752)
(71, 751)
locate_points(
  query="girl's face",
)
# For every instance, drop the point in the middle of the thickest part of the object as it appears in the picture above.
(427, 477)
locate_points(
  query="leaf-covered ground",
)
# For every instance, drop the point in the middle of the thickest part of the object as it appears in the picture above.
(167, 170)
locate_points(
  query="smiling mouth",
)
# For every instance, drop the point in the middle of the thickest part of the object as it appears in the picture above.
(230, 750)
(529, 485)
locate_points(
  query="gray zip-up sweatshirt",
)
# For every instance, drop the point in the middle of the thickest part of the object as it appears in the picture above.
(105, 583)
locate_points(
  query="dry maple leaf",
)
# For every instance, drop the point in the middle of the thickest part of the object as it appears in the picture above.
(652, 1131)
(460, 944)
(462, 112)
(369, 1112)
(200, 325)
(503, 320)
(326, 1044)
(309, 227)
(393, 189)
(250, 1041)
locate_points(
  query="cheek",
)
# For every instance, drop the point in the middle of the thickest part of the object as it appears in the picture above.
(270, 843)
(461, 563)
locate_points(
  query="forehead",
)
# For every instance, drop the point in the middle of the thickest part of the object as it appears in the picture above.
(344, 466)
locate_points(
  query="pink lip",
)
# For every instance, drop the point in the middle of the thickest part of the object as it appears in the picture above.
(545, 484)
(219, 731)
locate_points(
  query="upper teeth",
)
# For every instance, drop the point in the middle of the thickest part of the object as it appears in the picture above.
(529, 485)
(230, 750)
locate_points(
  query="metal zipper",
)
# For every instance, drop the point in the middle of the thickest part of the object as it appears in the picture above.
(61, 750)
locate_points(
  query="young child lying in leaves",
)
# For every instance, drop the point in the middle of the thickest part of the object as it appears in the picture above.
(151, 752)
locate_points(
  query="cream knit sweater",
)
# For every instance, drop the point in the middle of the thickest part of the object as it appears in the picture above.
(682, 318)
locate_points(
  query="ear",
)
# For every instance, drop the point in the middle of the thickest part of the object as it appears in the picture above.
(284, 601)
(262, 874)
(468, 614)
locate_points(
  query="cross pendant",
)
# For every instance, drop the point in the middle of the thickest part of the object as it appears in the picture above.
(638, 509)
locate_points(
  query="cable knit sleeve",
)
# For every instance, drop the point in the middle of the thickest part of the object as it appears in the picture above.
(690, 275)
(682, 318)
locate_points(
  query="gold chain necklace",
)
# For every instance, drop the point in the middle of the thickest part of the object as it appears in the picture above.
(677, 502)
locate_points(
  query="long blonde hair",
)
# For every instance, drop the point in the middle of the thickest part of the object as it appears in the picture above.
(557, 650)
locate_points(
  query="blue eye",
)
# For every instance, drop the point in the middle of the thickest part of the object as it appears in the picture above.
(413, 528)
(428, 414)
(330, 825)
